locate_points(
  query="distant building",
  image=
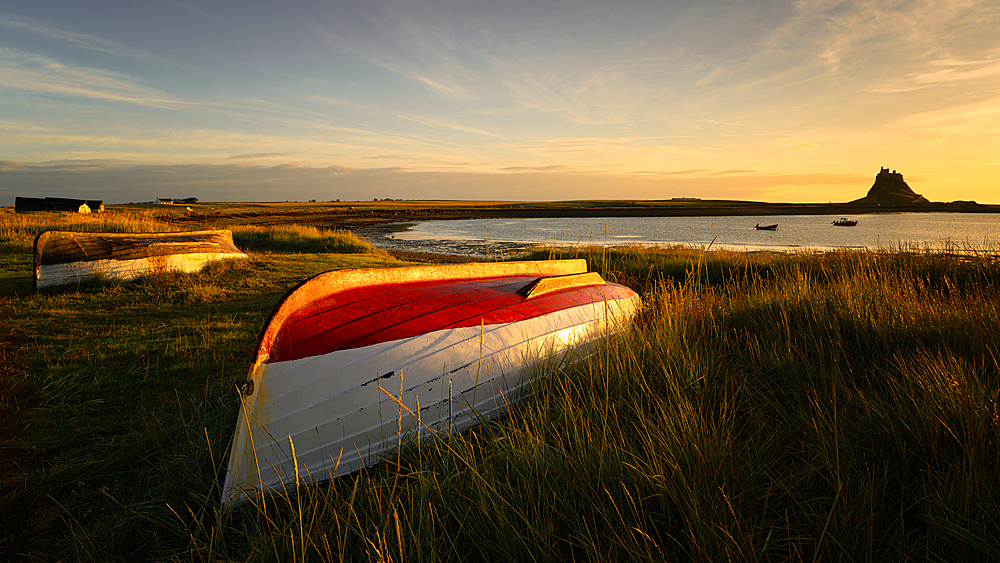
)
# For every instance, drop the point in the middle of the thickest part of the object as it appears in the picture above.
(23, 204)
(164, 200)
(890, 189)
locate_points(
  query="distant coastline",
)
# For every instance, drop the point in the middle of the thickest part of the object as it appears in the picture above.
(370, 213)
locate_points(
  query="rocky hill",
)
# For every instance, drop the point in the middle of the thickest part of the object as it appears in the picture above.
(888, 189)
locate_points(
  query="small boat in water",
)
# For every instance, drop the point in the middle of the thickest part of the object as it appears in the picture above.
(352, 363)
(760, 227)
(65, 257)
(845, 222)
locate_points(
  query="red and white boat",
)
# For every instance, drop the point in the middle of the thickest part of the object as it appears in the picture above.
(354, 362)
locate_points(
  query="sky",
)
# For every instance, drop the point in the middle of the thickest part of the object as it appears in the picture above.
(761, 100)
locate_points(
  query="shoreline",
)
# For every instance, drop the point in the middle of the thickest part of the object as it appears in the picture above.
(373, 220)
(355, 215)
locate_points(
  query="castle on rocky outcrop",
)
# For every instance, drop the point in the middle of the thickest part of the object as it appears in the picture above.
(888, 189)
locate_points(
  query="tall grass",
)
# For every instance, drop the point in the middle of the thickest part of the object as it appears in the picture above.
(18, 230)
(299, 238)
(765, 407)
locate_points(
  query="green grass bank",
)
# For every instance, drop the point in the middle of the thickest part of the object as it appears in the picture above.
(804, 407)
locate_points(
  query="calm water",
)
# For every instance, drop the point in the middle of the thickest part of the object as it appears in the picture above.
(795, 232)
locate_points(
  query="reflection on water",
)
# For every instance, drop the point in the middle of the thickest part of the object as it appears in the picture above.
(488, 238)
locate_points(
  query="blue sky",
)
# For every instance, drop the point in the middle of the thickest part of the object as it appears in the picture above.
(247, 101)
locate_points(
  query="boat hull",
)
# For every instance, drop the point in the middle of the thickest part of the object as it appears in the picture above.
(432, 358)
(67, 257)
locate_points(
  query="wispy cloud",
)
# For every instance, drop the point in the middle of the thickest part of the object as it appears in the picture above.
(690, 172)
(407, 44)
(958, 70)
(978, 119)
(701, 172)
(445, 124)
(550, 168)
(44, 76)
(260, 155)
(579, 142)
(79, 40)
(894, 47)
(505, 111)
(798, 145)
(344, 102)
(710, 77)
(984, 161)
(200, 11)
(617, 87)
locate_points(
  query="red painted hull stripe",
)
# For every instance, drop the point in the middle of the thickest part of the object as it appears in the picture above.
(371, 315)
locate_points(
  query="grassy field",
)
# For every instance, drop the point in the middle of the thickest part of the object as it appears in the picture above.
(805, 407)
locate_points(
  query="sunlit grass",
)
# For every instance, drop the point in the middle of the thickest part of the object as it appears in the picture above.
(838, 406)
(18, 230)
(298, 238)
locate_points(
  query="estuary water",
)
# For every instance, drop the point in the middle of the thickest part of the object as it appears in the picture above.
(485, 237)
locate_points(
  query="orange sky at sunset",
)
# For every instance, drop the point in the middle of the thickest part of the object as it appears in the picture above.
(767, 101)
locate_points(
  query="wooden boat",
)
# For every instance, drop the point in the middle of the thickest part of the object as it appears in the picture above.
(64, 257)
(760, 227)
(354, 362)
(845, 222)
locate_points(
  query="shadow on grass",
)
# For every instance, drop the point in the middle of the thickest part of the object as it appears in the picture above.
(20, 286)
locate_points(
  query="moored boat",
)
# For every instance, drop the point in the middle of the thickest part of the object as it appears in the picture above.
(760, 227)
(354, 362)
(64, 257)
(845, 222)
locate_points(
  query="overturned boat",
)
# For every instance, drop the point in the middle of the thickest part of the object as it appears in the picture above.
(65, 257)
(354, 362)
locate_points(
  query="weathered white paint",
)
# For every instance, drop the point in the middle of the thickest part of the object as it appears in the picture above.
(50, 275)
(340, 420)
